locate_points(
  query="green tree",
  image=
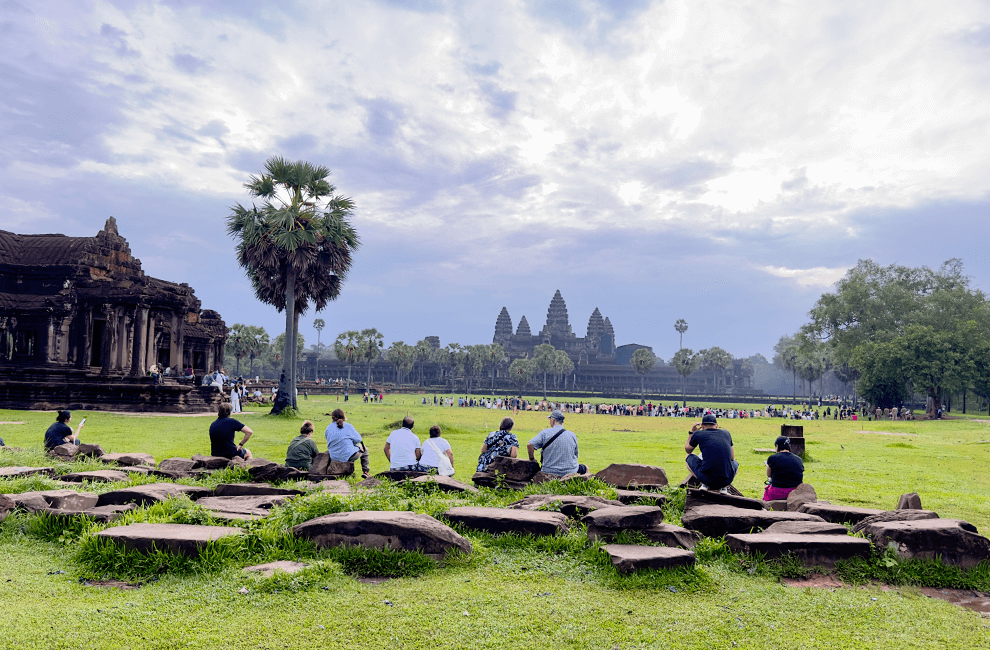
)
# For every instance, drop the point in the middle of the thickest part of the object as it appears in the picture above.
(279, 345)
(520, 371)
(370, 343)
(425, 353)
(562, 366)
(295, 248)
(715, 360)
(238, 344)
(685, 361)
(401, 356)
(346, 349)
(643, 362)
(544, 357)
(495, 358)
(318, 325)
(786, 357)
(681, 326)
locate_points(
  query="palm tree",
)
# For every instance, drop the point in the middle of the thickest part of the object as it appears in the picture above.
(544, 356)
(685, 362)
(346, 349)
(370, 345)
(520, 370)
(318, 325)
(642, 362)
(496, 355)
(681, 326)
(295, 248)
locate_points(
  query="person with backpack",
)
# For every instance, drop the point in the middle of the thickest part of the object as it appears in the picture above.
(560, 448)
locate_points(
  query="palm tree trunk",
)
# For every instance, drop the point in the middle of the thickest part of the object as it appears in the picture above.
(295, 360)
(286, 381)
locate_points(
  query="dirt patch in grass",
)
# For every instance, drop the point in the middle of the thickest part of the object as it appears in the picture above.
(977, 601)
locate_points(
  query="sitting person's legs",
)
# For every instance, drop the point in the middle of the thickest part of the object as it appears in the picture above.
(361, 453)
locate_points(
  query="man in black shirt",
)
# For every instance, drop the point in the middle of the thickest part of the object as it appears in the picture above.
(222, 435)
(784, 469)
(717, 465)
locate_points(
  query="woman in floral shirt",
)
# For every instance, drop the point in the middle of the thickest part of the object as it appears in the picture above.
(498, 443)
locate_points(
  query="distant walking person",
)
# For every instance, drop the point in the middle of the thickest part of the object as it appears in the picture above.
(235, 400)
(717, 466)
(60, 433)
(344, 443)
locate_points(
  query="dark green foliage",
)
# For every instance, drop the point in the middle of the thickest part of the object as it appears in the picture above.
(884, 566)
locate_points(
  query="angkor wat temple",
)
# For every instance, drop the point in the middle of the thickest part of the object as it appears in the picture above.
(81, 324)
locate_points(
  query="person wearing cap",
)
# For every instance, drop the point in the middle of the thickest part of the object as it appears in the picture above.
(784, 469)
(717, 466)
(560, 448)
(60, 433)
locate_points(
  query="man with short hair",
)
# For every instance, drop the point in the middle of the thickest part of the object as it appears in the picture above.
(222, 432)
(717, 465)
(403, 449)
(560, 448)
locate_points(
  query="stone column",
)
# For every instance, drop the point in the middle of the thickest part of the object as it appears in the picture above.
(109, 342)
(174, 349)
(120, 322)
(150, 353)
(140, 328)
(85, 345)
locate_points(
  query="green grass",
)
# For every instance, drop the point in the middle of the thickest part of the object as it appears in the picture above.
(512, 590)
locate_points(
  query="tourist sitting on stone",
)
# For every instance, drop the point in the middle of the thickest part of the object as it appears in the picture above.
(784, 469)
(499, 443)
(560, 448)
(302, 448)
(222, 432)
(403, 450)
(432, 448)
(344, 443)
(60, 433)
(717, 466)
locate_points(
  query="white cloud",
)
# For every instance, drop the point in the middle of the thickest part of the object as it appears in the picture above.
(817, 277)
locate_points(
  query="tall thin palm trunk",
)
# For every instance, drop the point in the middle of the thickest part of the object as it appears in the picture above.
(287, 381)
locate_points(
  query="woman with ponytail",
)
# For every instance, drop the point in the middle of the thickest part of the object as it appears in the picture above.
(785, 470)
(344, 443)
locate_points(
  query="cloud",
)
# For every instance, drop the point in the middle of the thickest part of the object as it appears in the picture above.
(813, 278)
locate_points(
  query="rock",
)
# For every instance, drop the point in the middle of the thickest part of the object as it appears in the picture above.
(236, 461)
(144, 470)
(397, 476)
(268, 570)
(400, 530)
(666, 534)
(955, 541)
(811, 550)
(539, 477)
(178, 465)
(210, 462)
(320, 463)
(245, 505)
(89, 450)
(272, 473)
(632, 496)
(495, 481)
(18, 472)
(838, 514)
(624, 517)
(574, 506)
(445, 483)
(180, 539)
(513, 469)
(240, 516)
(802, 494)
(333, 487)
(63, 452)
(29, 502)
(895, 515)
(101, 514)
(7, 505)
(716, 521)
(251, 489)
(574, 476)
(129, 459)
(910, 501)
(175, 475)
(697, 498)
(323, 466)
(506, 520)
(780, 505)
(369, 483)
(151, 493)
(97, 476)
(806, 528)
(68, 499)
(627, 558)
(633, 476)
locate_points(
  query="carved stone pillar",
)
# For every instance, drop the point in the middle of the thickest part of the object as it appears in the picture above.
(174, 347)
(120, 322)
(150, 353)
(109, 341)
(85, 346)
(140, 328)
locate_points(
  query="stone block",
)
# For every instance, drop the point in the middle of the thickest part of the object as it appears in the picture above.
(369, 483)
(89, 450)
(63, 452)
(895, 515)
(625, 517)
(806, 528)
(797, 445)
(633, 476)
(29, 502)
(332, 470)
(697, 498)
(96, 476)
(19, 472)
(801, 495)
(210, 462)
(955, 541)
(129, 459)
(627, 558)
(399, 530)
(910, 501)
(573, 506)
(811, 550)
(252, 489)
(69, 499)
(666, 534)
(179, 539)
(329, 486)
(507, 520)
(246, 505)
(630, 497)
(274, 473)
(779, 505)
(513, 469)
(397, 476)
(101, 514)
(838, 514)
(716, 521)
(7, 506)
(445, 483)
(178, 465)
(151, 493)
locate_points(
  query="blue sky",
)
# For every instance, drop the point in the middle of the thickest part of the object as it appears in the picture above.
(722, 162)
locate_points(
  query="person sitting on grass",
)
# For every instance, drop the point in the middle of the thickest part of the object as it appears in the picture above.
(717, 465)
(222, 432)
(302, 448)
(433, 447)
(60, 433)
(403, 450)
(499, 443)
(344, 443)
(784, 469)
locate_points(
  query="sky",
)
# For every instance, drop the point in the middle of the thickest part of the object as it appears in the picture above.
(720, 162)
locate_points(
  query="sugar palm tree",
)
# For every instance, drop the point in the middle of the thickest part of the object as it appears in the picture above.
(642, 362)
(296, 247)
(318, 325)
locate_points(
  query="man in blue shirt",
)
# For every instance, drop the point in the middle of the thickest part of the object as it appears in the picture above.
(560, 448)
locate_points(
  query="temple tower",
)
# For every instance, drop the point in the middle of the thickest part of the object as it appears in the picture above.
(503, 327)
(523, 329)
(557, 323)
(608, 338)
(596, 328)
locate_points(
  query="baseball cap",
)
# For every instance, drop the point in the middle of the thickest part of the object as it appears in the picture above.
(709, 419)
(556, 415)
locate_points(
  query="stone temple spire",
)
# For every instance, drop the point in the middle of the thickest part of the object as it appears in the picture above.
(523, 329)
(608, 340)
(596, 327)
(503, 327)
(557, 323)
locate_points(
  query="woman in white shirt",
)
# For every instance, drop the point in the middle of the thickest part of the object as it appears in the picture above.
(433, 447)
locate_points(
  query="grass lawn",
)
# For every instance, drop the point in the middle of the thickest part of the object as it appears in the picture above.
(510, 592)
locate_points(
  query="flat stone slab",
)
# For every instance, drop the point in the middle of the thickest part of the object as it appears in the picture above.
(955, 541)
(806, 528)
(627, 558)
(252, 489)
(513, 469)
(331, 486)
(625, 517)
(209, 462)
(7, 506)
(629, 497)
(90, 450)
(178, 465)
(369, 483)
(666, 534)
(697, 498)
(151, 493)
(508, 520)
(97, 476)
(175, 474)
(397, 476)
(716, 521)
(246, 505)
(838, 514)
(574, 506)
(399, 530)
(495, 481)
(179, 539)
(29, 502)
(811, 550)
(445, 483)
(17, 472)
(633, 475)
(63, 499)
(129, 459)
(274, 472)
(102, 514)
(269, 569)
(324, 467)
(895, 515)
